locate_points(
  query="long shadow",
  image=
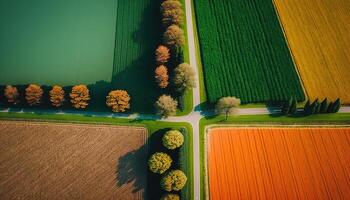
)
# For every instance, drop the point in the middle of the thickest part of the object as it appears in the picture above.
(154, 190)
(132, 168)
(135, 73)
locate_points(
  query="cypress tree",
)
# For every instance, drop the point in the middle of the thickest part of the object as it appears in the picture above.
(324, 106)
(336, 106)
(314, 107)
(330, 107)
(293, 107)
(286, 106)
(307, 108)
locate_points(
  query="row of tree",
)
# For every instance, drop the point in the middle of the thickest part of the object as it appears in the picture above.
(117, 100)
(160, 163)
(173, 39)
(315, 107)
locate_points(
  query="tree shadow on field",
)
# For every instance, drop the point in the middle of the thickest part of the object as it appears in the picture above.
(132, 168)
(137, 75)
(154, 190)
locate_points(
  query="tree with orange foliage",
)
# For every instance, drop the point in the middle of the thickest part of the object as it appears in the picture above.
(118, 100)
(80, 96)
(12, 94)
(162, 54)
(57, 96)
(162, 77)
(34, 93)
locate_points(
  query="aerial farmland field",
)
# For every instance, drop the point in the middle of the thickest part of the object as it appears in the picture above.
(103, 44)
(66, 161)
(318, 34)
(279, 163)
(244, 52)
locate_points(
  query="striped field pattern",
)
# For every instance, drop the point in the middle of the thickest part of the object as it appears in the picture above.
(244, 52)
(319, 36)
(279, 163)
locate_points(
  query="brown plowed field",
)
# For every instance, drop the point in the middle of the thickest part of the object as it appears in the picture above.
(66, 161)
(279, 163)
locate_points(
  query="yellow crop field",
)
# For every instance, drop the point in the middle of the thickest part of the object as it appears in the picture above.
(318, 33)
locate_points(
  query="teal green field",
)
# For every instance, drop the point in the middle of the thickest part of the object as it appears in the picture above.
(244, 52)
(105, 44)
(56, 42)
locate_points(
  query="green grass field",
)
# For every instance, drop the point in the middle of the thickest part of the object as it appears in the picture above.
(106, 45)
(244, 52)
(56, 42)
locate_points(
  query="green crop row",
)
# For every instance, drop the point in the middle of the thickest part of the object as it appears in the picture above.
(244, 52)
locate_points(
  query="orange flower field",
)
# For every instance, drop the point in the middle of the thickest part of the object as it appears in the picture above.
(279, 163)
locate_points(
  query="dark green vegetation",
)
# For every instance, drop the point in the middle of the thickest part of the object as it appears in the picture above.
(264, 120)
(156, 129)
(138, 32)
(244, 52)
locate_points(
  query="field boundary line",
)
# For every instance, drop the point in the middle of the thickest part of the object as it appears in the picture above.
(290, 50)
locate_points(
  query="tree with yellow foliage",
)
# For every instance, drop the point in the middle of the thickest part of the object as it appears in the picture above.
(162, 77)
(118, 100)
(12, 94)
(80, 96)
(57, 96)
(174, 36)
(34, 93)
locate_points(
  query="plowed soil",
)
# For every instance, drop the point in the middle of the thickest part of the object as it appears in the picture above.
(65, 161)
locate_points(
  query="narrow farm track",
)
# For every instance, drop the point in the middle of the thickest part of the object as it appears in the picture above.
(193, 118)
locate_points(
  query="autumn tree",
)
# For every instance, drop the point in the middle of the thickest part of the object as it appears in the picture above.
(159, 162)
(12, 94)
(162, 54)
(170, 5)
(166, 106)
(80, 96)
(118, 100)
(174, 180)
(173, 139)
(170, 197)
(34, 93)
(172, 13)
(162, 77)
(174, 36)
(57, 96)
(184, 77)
(228, 106)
